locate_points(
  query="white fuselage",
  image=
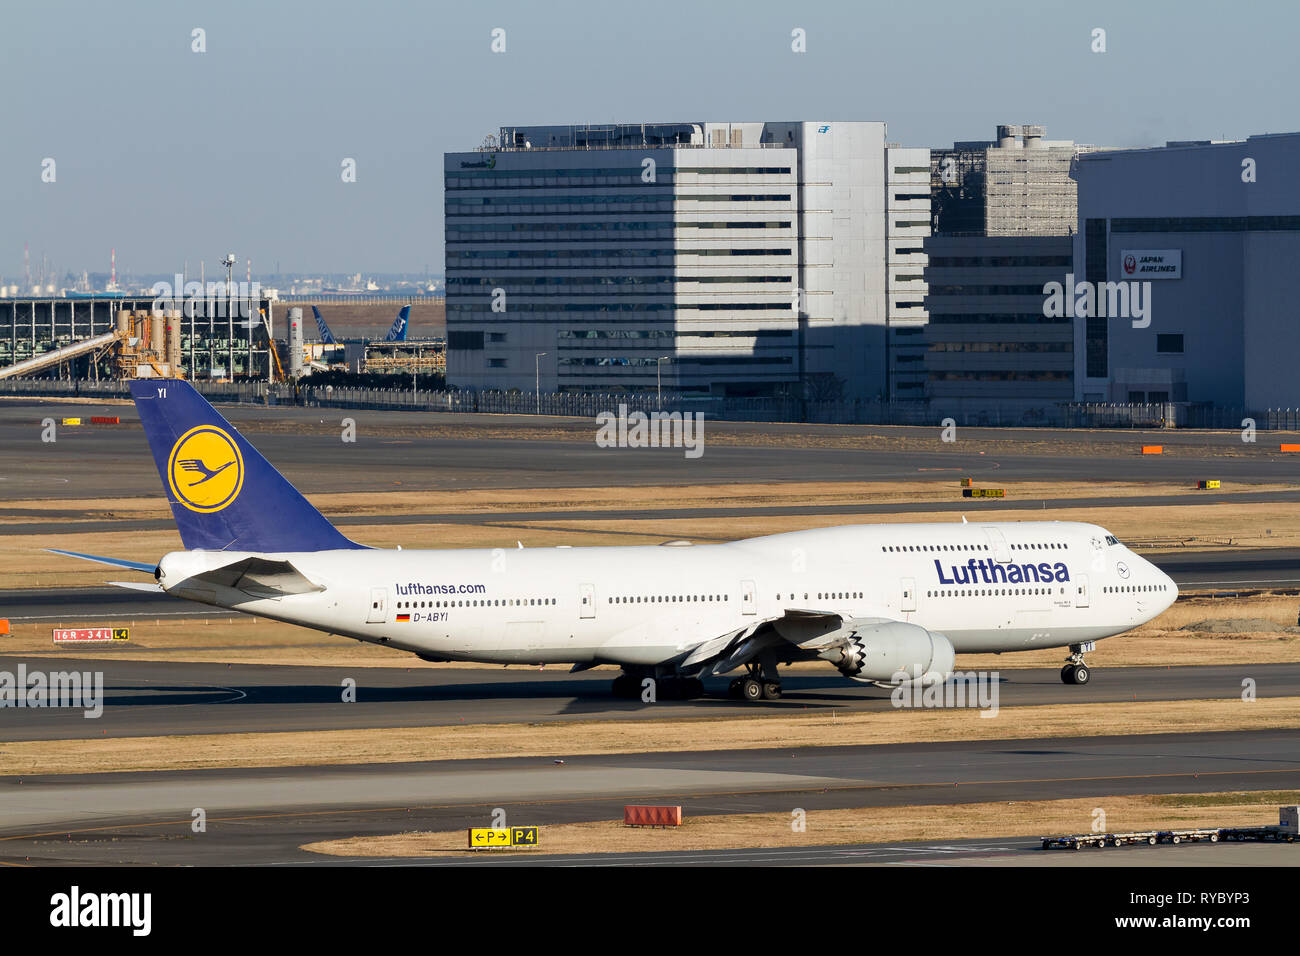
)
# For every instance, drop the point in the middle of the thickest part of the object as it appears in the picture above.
(987, 587)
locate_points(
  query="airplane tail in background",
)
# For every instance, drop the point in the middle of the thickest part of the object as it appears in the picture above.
(398, 332)
(224, 495)
(326, 336)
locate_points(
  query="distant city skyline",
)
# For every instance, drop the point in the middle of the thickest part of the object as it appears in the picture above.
(169, 155)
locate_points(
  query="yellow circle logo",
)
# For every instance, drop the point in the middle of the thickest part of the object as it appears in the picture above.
(205, 469)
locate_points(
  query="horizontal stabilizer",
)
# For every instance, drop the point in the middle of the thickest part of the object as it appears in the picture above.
(150, 586)
(259, 577)
(111, 562)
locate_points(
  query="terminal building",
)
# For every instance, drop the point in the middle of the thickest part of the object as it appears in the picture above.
(1222, 220)
(723, 259)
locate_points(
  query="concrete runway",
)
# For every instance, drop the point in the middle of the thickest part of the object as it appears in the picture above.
(145, 698)
(91, 461)
(263, 815)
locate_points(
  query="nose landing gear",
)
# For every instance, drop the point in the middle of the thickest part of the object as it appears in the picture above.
(1075, 670)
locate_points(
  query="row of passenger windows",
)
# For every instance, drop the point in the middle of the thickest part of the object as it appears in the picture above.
(989, 592)
(499, 602)
(668, 599)
(1045, 546)
(1135, 588)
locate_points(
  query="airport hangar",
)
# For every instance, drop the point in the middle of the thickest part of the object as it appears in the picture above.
(1215, 228)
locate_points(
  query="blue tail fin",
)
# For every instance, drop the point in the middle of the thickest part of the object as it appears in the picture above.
(398, 332)
(326, 336)
(224, 494)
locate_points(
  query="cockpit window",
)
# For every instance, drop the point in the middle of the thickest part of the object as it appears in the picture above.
(1111, 539)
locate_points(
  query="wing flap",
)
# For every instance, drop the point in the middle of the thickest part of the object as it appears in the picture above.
(715, 646)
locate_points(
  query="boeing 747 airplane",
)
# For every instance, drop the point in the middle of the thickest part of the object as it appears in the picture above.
(883, 604)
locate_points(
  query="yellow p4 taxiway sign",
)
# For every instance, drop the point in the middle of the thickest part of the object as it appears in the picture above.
(495, 838)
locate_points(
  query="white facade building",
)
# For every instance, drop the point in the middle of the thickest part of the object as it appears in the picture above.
(729, 258)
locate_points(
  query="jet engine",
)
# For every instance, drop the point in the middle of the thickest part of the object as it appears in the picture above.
(879, 653)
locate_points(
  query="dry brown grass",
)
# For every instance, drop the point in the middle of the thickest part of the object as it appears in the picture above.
(654, 497)
(572, 738)
(1030, 818)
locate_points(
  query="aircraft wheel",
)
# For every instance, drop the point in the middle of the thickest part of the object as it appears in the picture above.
(1081, 674)
(771, 690)
(1067, 674)
(751, 690)
(733, 689)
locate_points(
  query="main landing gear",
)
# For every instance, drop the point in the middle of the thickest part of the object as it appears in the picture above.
(1075, 670)
(757, 686)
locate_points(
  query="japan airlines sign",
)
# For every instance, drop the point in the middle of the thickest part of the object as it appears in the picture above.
(1152, 263)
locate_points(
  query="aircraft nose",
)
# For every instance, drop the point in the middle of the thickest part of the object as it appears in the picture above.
(1168, 589)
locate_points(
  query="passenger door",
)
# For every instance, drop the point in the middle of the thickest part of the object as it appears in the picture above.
(1081, 591)
(909, 594)
(378, 613)
(998, 543)
(586, 600)
(748, 598)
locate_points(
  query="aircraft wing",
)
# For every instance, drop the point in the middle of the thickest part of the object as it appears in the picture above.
(797, 631)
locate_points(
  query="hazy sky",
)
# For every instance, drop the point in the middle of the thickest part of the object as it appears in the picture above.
(170, 155)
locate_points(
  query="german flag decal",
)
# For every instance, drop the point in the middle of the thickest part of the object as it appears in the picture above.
(403, 618)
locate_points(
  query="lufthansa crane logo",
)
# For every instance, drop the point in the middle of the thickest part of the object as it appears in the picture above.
(205, 469)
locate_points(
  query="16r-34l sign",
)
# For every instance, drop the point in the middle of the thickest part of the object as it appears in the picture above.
(1152, 263)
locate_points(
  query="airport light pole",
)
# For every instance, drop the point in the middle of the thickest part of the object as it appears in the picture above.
(659, 381)
(537, 384)
(229, 262)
